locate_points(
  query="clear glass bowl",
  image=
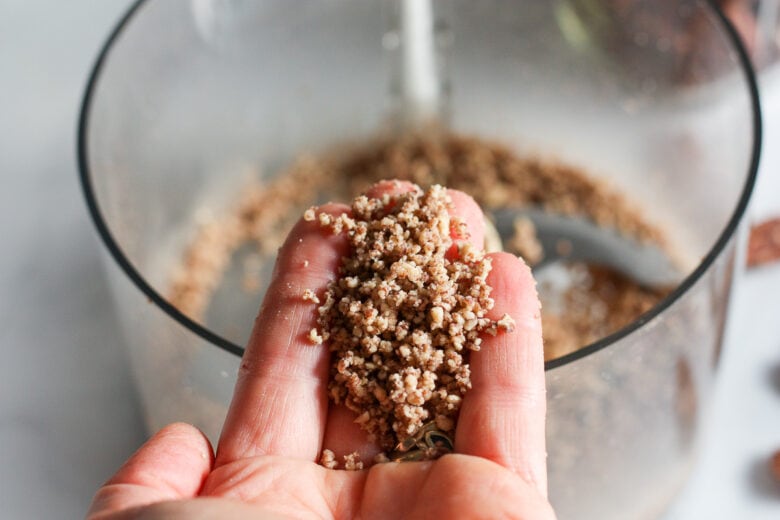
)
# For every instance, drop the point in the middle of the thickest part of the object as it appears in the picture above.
(658, 100)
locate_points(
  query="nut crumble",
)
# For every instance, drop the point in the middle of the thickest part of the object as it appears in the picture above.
(404, 313)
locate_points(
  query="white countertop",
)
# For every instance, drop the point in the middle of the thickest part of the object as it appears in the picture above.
(68, 412)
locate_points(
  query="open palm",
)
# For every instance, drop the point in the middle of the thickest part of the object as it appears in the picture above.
(280, 419)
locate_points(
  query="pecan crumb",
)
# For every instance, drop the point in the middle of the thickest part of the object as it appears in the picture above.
(309, 296)
(506, 323)
(352, 462)
(315, 337)
(328, 459)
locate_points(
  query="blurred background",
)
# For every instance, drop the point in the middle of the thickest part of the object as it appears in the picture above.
(69, 414)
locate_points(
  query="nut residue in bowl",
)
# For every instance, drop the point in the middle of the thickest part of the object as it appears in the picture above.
(492, 173)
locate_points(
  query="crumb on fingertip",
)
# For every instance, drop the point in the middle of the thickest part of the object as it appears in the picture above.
(506, 323)
(309, 296)
(315, 337)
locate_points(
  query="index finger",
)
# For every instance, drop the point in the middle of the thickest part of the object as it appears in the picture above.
(279, 404)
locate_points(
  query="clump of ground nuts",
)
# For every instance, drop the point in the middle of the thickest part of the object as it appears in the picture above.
(409, 304)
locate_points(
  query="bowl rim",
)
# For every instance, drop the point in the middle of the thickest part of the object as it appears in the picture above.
(160, 301)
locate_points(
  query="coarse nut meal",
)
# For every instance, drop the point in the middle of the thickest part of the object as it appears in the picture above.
(408, 306)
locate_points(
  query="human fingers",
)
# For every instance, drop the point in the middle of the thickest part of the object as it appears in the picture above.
(172, 465)
(503, 416)
(279, 405)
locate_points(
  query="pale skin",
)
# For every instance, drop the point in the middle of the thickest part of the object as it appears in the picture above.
(280, 419)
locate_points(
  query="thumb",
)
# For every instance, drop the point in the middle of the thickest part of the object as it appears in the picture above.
(172, 465)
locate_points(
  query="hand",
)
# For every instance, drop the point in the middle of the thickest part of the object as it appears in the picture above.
(280, 419)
